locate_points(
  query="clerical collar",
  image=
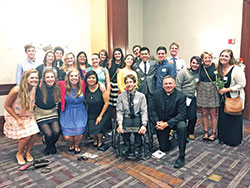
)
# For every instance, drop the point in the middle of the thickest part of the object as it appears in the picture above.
(168, 94)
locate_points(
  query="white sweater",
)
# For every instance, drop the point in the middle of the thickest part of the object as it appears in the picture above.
(238, 82)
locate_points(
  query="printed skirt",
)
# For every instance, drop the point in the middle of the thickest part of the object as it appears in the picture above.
(208, 96)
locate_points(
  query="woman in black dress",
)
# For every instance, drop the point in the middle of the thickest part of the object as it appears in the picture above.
(230, 126)
(97, 102)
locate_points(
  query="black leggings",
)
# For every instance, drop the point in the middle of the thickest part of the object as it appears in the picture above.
(51, 132)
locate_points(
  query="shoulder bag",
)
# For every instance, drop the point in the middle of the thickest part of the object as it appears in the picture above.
(233, 106)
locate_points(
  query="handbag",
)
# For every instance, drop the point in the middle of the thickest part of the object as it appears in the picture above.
(233, 106)
(41, 163)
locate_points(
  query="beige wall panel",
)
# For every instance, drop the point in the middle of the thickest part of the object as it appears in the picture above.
(41, 22)
(197, 25)
(135, 23)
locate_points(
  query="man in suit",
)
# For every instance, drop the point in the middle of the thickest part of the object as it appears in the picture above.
(136, 52)
(145, 70)
(173, 59)
(169, 111)
(59, 52)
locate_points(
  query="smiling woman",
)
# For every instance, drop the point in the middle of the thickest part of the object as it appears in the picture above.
(20, 122)
(208, 96)
(50, 63)
(97, 101)
(73, 115)
(230, 126)
(47, 96)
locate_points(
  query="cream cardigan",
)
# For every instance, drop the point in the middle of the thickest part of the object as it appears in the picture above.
(238, 82)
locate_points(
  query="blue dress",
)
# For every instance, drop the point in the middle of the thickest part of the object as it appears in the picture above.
(73, 119)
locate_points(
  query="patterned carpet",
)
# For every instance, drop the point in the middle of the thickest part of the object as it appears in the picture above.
(208, 164)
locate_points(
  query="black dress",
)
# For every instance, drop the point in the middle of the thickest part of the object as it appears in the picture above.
(95, 103)
(229, 126)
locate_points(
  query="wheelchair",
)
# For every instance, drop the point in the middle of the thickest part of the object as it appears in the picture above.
(147, 143)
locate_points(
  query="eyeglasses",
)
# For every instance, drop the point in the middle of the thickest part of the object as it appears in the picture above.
(82, 158)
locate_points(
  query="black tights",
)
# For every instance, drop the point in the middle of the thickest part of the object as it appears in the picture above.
(51, 132)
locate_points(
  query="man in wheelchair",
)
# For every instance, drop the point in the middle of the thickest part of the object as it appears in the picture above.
(132, 116)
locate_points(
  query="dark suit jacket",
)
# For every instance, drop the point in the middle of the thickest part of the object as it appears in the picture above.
(171, 111)
(146, 82)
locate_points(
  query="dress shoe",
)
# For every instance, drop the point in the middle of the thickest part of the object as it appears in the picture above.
(137, 154)
(179, 163)
(125, 153)
(103, 147)
(191, 137)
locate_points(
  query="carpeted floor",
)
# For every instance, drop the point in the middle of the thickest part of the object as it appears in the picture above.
(208, 164)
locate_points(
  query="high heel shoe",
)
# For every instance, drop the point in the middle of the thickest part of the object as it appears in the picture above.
(77, 150)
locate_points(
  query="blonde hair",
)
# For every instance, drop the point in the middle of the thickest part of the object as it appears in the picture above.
(43, 88)
(24, 91)
(206, 53)
(65, 65)
(69, 86)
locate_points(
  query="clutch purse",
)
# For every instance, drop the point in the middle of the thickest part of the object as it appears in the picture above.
(233, 106)
(41, 163)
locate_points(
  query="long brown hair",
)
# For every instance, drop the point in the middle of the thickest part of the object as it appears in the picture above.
(69, 86)
(43, 88)
(232, 61)
(45, 58)
(24, 91)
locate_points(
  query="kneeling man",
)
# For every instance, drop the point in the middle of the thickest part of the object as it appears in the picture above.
(131, 112)
(169, 112)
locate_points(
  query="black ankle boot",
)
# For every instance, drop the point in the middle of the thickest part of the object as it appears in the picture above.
(53, 149)
(47, 150)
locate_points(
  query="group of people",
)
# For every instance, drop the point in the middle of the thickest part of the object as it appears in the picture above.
(73, 97)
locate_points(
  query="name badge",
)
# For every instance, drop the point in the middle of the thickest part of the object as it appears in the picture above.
(136, 101)
(188, 101)
(163, 70)
(137, 70)
(225, 79)
(142, 79)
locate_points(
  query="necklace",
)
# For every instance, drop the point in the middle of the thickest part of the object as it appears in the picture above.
(92, 89)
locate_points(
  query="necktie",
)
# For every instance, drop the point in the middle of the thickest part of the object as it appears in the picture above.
(131, 105)
(145, 67)
(175, 69)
